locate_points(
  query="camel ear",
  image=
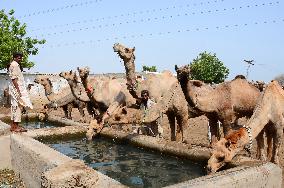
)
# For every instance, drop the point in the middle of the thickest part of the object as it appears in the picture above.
(176, 67)
(70, 71)
(133, 49)
(78, 68)
(228, 144)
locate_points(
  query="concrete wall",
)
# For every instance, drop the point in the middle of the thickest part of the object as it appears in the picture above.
(40, 166)
(259, 175)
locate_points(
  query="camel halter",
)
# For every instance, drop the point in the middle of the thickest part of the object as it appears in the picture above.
(248, 147)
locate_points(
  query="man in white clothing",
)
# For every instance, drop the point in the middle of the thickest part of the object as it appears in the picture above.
(17, 89)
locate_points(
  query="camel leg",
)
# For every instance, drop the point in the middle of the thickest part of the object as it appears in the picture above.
(183, 123)
(269, 144)
(65, 109)
(69, 110)
(179, 129)
(276, 144)
(227, 127)
(81, 111)
(112, 109)
(228, 119)
(260, 146)
(171, 118)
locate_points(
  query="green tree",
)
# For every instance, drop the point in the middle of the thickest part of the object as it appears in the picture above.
(150, 69)
(208, 68)
(13, 38)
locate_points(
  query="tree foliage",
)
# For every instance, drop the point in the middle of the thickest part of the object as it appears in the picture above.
(13, 38)
(208, 68)
(150, 69)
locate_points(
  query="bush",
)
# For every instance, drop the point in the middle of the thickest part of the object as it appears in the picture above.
(208, 68)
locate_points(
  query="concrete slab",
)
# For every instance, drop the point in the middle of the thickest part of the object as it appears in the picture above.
(257, 176)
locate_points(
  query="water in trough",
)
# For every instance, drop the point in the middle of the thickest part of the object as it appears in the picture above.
(134, 167)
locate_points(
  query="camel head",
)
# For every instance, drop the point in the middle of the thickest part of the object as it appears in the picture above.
(83, 72)
(69, 75)
(225, 150)
(183, 73)
(43, 80)
(124, 53)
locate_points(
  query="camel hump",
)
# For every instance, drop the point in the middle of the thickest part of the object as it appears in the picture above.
(167, 73)
(240, 76)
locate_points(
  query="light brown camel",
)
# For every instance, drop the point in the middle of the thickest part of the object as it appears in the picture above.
(226, 102)
(163, 88)
(108, 94)
(79, 92)
(64, 98)
(268, 115)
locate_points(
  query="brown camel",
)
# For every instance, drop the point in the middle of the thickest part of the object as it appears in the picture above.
(268, 115)
(163, 88)
(225, 102)
(79, 92)
(64, 99)
(108, 94)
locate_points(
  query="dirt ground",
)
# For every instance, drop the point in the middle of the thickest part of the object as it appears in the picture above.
(8, 179)
(197, 131)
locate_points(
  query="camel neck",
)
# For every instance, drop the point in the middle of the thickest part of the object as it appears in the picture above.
(183, 82)
(48, 89)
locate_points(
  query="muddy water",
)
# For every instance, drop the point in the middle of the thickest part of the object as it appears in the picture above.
(129, 165)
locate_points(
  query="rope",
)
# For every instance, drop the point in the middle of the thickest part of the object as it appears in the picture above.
(248, 147)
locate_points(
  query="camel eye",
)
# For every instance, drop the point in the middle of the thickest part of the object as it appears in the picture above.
(228, 144)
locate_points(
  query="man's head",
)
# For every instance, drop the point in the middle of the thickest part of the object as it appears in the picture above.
(145, 95)
(17, 56)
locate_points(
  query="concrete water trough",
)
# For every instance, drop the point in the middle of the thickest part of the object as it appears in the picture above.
(38, 165)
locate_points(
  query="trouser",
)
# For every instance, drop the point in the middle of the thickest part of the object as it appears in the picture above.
(15, 111)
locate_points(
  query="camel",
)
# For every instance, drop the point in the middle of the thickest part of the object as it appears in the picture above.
(79, 92)
(6, 97)
(65, 99)
(259, 84)
(225, 102)
(163, 88)
(107, 94)
(269, 115)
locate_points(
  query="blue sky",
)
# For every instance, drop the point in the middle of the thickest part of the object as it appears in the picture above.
(164, 33)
